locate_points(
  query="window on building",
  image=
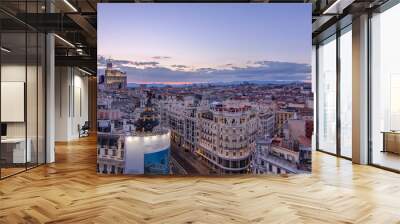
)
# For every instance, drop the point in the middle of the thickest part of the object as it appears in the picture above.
(105, 168)
(112, 169)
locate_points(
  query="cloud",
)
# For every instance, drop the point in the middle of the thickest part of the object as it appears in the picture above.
(125, 63)
(286, 67)
(161, 57)
(152, 71)
(179, 66)
(268, 67)
(121, 61)
(206, 70)
(144, 63)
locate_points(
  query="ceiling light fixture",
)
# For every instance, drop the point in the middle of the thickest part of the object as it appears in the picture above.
(329, 9)
(5, 50)
(70, 5)
(86, 72)
(337, 7)
(64, 40)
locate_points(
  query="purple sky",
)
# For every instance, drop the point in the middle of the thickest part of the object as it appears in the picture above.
(206, 42)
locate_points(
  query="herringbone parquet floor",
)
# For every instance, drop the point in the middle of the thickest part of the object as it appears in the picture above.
(70, 191)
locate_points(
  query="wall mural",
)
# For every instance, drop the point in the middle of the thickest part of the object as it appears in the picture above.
(204, 89)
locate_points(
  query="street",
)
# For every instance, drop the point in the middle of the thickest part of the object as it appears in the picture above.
(188, 161)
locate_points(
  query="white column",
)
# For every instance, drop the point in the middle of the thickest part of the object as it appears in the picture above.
(360, 90)
(50, 98)
(63, 101)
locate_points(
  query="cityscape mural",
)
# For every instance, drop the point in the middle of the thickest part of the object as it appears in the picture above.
(204, 89)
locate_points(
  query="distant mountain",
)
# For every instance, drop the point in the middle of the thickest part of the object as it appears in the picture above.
(274, 82)
(135, 85)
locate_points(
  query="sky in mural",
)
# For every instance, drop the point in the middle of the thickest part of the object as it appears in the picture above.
(197, 43)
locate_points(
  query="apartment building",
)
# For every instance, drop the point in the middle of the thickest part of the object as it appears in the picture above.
(267, 122)
(281, 117)
(114, 120)
(227, 133)
(273, 157)
(114, 78)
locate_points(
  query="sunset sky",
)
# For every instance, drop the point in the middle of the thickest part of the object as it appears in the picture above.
(158, 43)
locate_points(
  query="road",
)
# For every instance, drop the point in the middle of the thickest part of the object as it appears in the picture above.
(191, 164)
(176, 168)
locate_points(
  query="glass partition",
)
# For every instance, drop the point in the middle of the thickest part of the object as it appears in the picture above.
(14, 153)
(22, 77)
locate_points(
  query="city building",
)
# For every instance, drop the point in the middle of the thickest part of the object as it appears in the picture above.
(281, 117)
(227, 134)
(273, 157)
(267, 121)
(181, 116)
(114, 78)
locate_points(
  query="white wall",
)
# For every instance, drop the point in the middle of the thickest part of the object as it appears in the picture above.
(11, 73)
(71, 102)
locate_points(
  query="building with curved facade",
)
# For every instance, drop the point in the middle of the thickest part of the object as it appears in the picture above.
(227, 133)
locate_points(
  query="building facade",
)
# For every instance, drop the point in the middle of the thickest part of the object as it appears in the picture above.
(114, 78)
(227, 134)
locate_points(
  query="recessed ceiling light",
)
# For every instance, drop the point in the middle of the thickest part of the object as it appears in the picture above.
(64, 40)
(337, 7)
(86, 72)
(70, 5)
(5, 50)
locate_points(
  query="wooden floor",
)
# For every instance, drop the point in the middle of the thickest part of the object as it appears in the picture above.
(5, 172)
(70, 191)
(386, 159)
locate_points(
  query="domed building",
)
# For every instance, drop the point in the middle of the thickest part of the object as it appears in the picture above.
(148, 151)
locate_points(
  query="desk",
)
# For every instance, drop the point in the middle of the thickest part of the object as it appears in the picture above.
(391, 141)
(13, 150)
